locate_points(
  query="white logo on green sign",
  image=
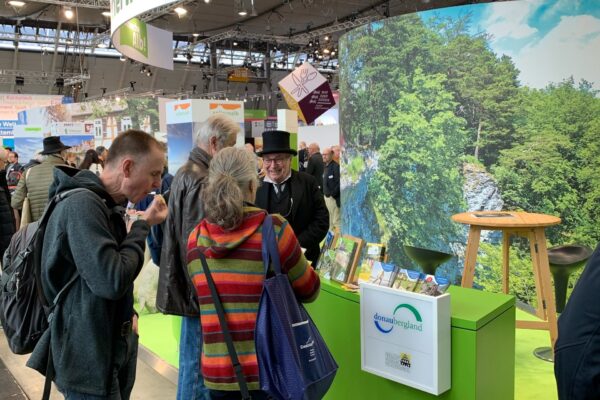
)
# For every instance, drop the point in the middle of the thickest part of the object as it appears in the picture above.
(134, 34)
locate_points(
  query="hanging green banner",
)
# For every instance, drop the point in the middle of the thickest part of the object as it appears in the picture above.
(135, 34)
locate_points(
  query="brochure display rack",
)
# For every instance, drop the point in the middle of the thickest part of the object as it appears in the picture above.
(405, 337)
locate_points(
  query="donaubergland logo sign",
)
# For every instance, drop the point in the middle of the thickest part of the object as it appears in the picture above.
(386, 323)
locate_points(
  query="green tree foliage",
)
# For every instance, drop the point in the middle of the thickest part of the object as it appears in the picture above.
(418, 183)
(552, 166)
(485, 88)
(377, 69)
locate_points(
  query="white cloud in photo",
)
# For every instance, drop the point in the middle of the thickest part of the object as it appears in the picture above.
(563, 7)
(510, 20)
(569, 49)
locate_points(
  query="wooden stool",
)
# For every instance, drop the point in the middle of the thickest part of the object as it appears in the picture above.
(523, 224)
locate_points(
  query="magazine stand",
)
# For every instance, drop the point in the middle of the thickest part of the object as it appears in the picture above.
(405, 337)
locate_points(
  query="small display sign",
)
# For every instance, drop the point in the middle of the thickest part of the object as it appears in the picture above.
(307, 91)
(405, 337)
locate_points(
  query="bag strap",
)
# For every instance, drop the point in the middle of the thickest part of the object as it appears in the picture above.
(237, 367)
(270, 251)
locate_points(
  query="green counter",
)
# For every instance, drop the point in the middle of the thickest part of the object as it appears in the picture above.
(483, 346)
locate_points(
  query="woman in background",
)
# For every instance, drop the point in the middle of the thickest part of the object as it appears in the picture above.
(230, 237)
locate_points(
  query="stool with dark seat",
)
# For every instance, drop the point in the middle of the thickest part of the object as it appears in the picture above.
(427, 259)
(563, 260)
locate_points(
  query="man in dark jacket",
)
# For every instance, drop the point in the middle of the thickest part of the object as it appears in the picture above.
(315, 165)
(176, 294)
(577, 349)
(294, 195)
(331, 188)
(93, 334)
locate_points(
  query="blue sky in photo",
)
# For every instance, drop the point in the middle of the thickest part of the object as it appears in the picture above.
(548, 40)
(179, 137)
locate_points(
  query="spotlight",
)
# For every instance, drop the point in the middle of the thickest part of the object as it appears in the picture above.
(60, 82)
(326, 38)
(143, 70)
(16, 3)
(206, 1)
(106, 13)
(180, 11)
(235, 43)
(122, 58)
(118, 98)
(148, 73)
(310, 44)
(69, 12)
(195, 34)
(326, 50)
(19, 81)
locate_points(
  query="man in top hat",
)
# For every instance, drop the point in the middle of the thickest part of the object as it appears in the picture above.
(294, 195)
(35, 181)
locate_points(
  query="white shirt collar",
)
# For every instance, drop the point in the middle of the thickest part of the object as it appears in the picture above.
(268, 180)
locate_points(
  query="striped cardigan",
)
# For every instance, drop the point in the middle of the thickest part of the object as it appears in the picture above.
(235, 261)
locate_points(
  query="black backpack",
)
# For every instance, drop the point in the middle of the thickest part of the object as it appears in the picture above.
(24, 310)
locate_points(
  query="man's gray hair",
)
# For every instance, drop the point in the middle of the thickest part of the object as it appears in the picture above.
(220, 126)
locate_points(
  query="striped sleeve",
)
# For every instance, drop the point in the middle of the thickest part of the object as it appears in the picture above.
(301, 274)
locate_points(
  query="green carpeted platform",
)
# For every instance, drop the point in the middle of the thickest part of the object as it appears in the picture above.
(534, 378)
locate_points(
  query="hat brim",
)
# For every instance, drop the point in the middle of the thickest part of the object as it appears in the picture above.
(272, 151)
(58, 150)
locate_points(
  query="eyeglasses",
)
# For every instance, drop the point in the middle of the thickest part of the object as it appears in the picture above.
(277, 160)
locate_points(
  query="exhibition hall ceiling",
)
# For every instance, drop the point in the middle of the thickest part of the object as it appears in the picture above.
(208, 18)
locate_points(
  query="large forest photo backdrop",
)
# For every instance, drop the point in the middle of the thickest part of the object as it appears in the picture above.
(482, 107)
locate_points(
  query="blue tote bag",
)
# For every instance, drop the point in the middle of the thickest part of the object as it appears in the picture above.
(293, 360)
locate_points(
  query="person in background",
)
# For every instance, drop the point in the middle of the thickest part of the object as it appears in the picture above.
(294, 195)
(229, 237)
(336, 153)
(102, 154)
(93, 333)
(91, 161)
(7, 221)
(176, 294)
(14, 170)
(302, 156)
(315, 165)
(36, 180)
(331, 188)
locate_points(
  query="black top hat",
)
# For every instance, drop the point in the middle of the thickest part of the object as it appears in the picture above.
(276, 142)
(52, 144)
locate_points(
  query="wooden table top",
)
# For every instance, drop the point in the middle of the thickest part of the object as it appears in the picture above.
(505, 219)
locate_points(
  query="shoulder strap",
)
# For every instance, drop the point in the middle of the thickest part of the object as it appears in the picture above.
(237, 367)
(270, 251)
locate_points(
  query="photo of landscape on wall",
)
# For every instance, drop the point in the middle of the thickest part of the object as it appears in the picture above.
(482, 107)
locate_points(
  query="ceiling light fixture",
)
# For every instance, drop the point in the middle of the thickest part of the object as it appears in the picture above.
(106, 13)
(16, 3)
(195, 34)
(69, 12)
(180, 11)
(239, 7)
